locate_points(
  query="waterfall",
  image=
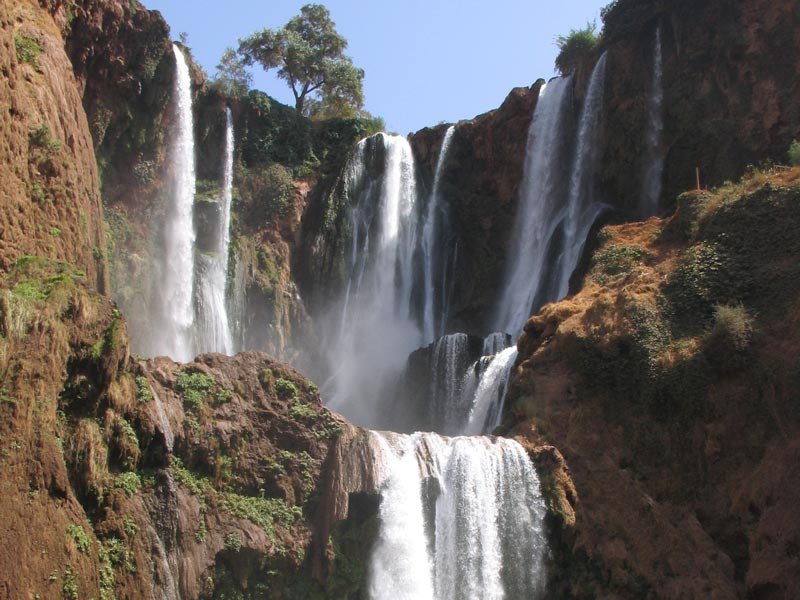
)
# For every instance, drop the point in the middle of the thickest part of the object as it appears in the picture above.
(213, 332)
(654, 154)
(540, 210)
(449, 363)
(173, 335)
(486, 406)
(376, 330)
(582, 208)
(434, 252)
(477, 533)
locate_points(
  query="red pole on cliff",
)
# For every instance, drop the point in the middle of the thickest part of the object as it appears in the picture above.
(697, 175)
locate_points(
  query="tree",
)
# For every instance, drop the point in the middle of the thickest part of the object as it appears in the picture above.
(309, 55)
(232, 76)
(575, 48)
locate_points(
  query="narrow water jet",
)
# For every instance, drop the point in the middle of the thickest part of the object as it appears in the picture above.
(540, 207)
(434, 252)
(654, 152)
(174, 307)
(487, 402)
(582, 207)
(213, 329)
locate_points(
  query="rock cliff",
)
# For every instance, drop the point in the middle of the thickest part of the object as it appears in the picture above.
(669, 385)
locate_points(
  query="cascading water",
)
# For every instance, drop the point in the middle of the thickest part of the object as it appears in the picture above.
(540, 210)
(654, 157)
(582, 209)
(434, 252)
(175, 311)
(376, 330)
(477, 534)
(486, 405)
(212, 330)
(446, 398)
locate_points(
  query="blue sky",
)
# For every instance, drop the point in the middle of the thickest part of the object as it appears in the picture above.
(426, 61)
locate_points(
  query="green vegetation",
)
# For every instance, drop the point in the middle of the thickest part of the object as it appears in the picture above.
(43, 139)
(70, 587)
(233, 542)
(576, 48)
(28, 49)
(78, 535)
(614, 261)
(309, 55)
(232, 77)
(264, 512)
(143, 392)
(198, 486)
(128, 482)
(286, 389)
(129, 525)
(199, 389)
(794, 154)
(118, 555)
(195, 389)
(266, 193)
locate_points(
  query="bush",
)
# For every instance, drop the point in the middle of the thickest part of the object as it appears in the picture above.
(575, 48)
(728, 339)
(195, 388)
(267, 193)
(794, 154)
(28, 49)
(129, 482)
(285, 389)
(79, 536)
(233, 542)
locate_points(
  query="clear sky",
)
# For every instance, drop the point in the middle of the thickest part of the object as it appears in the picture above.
(426, 61)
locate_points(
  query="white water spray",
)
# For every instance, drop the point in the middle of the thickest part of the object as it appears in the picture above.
(485, 540)
(376, 330)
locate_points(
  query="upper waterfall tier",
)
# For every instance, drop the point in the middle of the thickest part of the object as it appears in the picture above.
(174, 296)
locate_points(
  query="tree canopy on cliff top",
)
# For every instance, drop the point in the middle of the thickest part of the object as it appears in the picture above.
(309, 55)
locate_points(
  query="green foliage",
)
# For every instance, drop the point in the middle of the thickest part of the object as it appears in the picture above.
(614, 261)
(727, 341)
(309, 55)
(143, 392)
(699, 280)
(196, 389)
(207, 189)
(232, 77)
(794, 154)
(197, 485)
(70, 587)
(78, 535)
(55, 232)
(128, 482)
(286, 389)
(266, 193)
(264, 512)
(43, 139)
(129, 526)
(118, 554)
(233, 542)
(28, 49)
(576, 48)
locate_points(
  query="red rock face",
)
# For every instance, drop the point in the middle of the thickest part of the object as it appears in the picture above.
(730, 82)
(51, 199)
(480, 181)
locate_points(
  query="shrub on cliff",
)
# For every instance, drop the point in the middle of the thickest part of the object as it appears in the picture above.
(794, 154)
(266, 193)
(576, 48)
